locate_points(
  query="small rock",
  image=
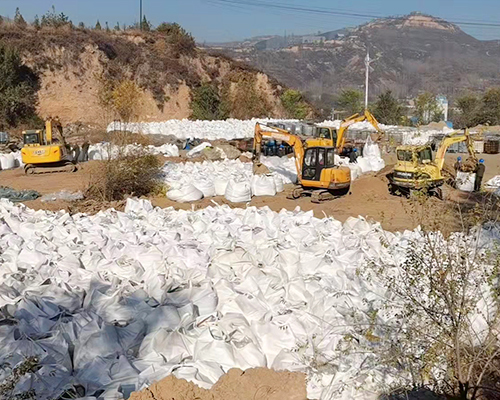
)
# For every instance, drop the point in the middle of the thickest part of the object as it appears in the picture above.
(232, 153)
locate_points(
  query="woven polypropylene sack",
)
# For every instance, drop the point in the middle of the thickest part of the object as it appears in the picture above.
(238, 191)
(185, 194)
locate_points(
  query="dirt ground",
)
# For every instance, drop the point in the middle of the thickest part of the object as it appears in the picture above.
(252, 384)
(369, 196)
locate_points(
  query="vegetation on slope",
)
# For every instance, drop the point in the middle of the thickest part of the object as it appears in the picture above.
(157, 60)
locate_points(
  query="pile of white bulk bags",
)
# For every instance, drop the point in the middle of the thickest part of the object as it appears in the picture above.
(104, 151)
(123, 299)
(200, 129)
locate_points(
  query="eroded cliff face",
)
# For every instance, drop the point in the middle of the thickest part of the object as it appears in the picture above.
(73, 65)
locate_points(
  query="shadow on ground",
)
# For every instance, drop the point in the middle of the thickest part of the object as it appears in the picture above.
(416, 394)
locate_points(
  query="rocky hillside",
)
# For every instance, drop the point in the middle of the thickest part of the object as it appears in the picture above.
(78, 69)
(413, 53)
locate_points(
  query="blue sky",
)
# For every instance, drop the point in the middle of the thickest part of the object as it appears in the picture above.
(210, 20)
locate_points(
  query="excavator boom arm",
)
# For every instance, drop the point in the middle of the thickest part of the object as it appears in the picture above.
(279, 134)
(455, 137)
(344, 126)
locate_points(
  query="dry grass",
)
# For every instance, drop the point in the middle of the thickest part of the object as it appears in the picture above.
(132, 174)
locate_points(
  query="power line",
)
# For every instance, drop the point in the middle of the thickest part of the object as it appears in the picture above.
(343, 13)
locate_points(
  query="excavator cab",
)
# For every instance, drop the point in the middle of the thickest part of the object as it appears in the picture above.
(316, 159)
(32, 137)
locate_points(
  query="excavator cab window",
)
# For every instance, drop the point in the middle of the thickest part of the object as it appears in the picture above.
(324, 133)
(315, 159)
(425, 155)
(404, 155)
(31, 138)
(330, 157)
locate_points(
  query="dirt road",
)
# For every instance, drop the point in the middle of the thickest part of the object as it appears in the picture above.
(369, 196)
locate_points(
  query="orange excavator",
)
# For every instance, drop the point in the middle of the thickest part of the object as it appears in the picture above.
(318, 175)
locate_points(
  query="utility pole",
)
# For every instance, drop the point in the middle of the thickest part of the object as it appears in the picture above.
(367, 65)
(140, 15)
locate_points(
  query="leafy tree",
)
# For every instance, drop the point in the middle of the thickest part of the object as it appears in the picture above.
(207, 104)
(387, 109)
(427, 108)
(351, 100)
(490, 107)
(18, 87)
(107, 26)
(98, 26)
(145, 25)
(36, 22)
(125, 97)
(469, 106)
(81, 25)
(294, 104)
(117, 27)
(19, 19)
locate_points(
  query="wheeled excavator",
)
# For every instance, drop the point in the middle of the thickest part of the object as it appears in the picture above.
(417, 170)
(42, 152)
(317, 174)
(327, 136)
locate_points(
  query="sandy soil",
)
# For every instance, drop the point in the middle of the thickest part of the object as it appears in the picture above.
(369, 196)
(252, 384)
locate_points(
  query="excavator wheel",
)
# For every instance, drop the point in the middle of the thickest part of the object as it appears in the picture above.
(71, 167)
(296, 193)
(438, 192)
(319, 196)
(29, 169)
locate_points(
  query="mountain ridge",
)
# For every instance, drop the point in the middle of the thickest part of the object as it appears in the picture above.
(412, 53)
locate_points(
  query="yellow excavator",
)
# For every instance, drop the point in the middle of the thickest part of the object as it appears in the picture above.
(417, 170)
(42, 152)
(327, 136)
(317, 174)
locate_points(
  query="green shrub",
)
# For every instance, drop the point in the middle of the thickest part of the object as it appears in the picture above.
(18, 87)
(177, 35)
(207, 104)
(294, 104)
(54, 20)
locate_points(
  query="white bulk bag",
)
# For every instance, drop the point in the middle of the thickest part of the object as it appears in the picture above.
(263, 185)
(18, 159)
(205, 186)
(371, 149)
(198, 149)
(465, 181)
(355, 171)
(238, 191)
(7, 161)
(376, 163)
(364, 164)
(185, 194)
(220, 185)
(278, 181)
